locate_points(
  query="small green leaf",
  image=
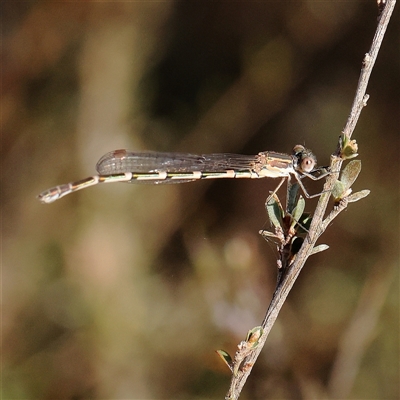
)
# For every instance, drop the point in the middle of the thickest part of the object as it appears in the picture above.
(358, 196)
(342, 188)
(350, 173)
(292, 196)
(226, 358)
(348, 148)
(319, 248)
(275, 211)
(338, 189)
(253, 336)
(298, 211)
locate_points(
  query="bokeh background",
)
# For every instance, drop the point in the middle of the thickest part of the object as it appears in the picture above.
(125, 291)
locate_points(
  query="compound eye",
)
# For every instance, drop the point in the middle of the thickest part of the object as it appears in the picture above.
(307, 164)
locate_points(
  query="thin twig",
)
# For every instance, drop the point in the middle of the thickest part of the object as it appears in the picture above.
(242, 367)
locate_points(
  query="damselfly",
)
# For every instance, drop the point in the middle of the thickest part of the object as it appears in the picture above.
(157, 167)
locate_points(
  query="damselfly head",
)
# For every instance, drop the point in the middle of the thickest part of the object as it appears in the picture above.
(306, 160)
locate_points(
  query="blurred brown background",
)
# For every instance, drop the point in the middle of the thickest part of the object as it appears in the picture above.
(125, 291)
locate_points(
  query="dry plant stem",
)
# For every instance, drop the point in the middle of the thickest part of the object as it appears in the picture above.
(318, 224)
(368, 64)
